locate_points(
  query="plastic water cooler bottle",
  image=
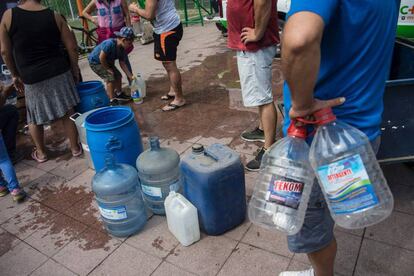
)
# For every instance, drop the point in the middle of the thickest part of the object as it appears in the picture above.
(351, 179)
(280, 197)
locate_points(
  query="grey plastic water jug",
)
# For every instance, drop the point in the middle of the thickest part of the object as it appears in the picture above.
(159, 173)
(118, 194)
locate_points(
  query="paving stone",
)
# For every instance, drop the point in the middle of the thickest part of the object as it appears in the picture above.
(209, 140)
(155, 238)
(178, 146)
(34, 217)
(9, 209)
(298, 266)
(71, 168)
(239, 232)
(87, 251)
(21, 260)
(395, 230)
(346, 257)
(247, 260)
(204, 257)
(271, 241)
(167, 269)
(250, 183)
(58, 232)
(8, 241)
(51, 267)
(127, 260)
(377, 259)
(403, 198)
(25, 173)
(245, 147)
(85, 211)
(82, 182)
(53, 162)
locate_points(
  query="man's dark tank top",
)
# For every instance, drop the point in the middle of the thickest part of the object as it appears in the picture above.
(36, 42)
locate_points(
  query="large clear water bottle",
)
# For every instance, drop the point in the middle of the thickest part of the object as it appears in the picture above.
(159, 173)
(119, 198)
(349, 174)
(282, 191)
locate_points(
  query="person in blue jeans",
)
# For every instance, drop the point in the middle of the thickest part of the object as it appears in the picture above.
(335, 53)
(8, 179)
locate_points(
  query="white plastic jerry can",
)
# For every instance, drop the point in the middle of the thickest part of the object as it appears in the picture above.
(182, 218)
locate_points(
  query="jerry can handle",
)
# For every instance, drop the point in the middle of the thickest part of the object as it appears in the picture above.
(74, 116)
(113, 144)
(207, 152)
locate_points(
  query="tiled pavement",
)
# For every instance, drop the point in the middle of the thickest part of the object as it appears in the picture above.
(57, 230)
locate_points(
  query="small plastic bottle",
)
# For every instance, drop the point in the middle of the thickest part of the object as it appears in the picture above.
(350, 177)
(282, 191)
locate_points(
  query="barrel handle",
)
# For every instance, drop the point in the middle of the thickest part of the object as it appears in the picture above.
(113, 144)
(74, 116)
(212, 155)
(97, 102)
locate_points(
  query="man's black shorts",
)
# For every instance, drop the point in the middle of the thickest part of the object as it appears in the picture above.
(165, 44)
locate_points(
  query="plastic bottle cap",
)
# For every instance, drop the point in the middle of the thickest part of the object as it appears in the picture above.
(197, 148)
(297, 131)
(324, 116)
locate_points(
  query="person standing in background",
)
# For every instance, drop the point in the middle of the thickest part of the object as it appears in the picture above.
(253, 33)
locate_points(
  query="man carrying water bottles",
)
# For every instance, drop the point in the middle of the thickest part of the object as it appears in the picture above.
(336, 53)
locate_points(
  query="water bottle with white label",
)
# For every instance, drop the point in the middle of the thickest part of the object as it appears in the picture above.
(7, 80)
(285, 181)
(118, 194)
(350, 177)
(159, 173)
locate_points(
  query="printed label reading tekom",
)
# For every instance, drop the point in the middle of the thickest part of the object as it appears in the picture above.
(285, 191)
(347, 185)
(115, 213)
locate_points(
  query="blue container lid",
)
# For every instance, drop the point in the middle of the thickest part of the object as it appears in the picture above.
(108, 118)
(89, 87)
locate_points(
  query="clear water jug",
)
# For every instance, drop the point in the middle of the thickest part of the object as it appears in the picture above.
(182, 218)
(280, 197)
(136, 92)
(350, 177)
(119, 198)
(159, 173)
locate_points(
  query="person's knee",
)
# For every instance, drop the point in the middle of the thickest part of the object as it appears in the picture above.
(169, 65)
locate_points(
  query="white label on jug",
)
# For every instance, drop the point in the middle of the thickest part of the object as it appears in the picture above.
(285, 191)
(347, 185)
(116, 213)
(152, 191)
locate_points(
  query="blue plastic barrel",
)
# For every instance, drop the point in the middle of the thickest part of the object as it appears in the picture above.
(213, 181)
(92, 95)
(113, 130)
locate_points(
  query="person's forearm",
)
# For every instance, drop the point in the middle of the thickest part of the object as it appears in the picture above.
(143, 13)
(262, 11)
(300, 69)
(124, 68)
(9, 61)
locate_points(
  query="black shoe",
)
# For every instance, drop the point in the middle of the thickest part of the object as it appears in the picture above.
(252, 136)
(122, 97)
(254, 165)
(114, 102)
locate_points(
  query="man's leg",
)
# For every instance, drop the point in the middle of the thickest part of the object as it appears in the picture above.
(323, 260)
(174, 76)
(9, 119)
(268, 119)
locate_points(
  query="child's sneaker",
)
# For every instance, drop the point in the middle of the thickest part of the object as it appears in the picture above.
(3, 191)
(18, 194)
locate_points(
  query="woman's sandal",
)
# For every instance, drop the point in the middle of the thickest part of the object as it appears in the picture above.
(167, 97)
(36, 158)
(78, 153)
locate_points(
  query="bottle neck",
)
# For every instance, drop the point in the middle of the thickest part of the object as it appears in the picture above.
(154, 143)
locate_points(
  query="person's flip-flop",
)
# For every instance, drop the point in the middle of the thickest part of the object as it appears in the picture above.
(36, 158)
(167, 97)
(171, 107)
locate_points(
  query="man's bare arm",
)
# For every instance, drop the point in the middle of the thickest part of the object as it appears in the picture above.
(147, 13)
(262, 12)
(301, 56)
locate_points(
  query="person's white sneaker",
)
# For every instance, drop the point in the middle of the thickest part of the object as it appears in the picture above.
(308, 272)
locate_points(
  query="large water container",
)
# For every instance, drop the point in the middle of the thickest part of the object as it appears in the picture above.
(349, 174)
(119, 198)
(159, 173)
(213, 181)
(113, 130)
(92, 95)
